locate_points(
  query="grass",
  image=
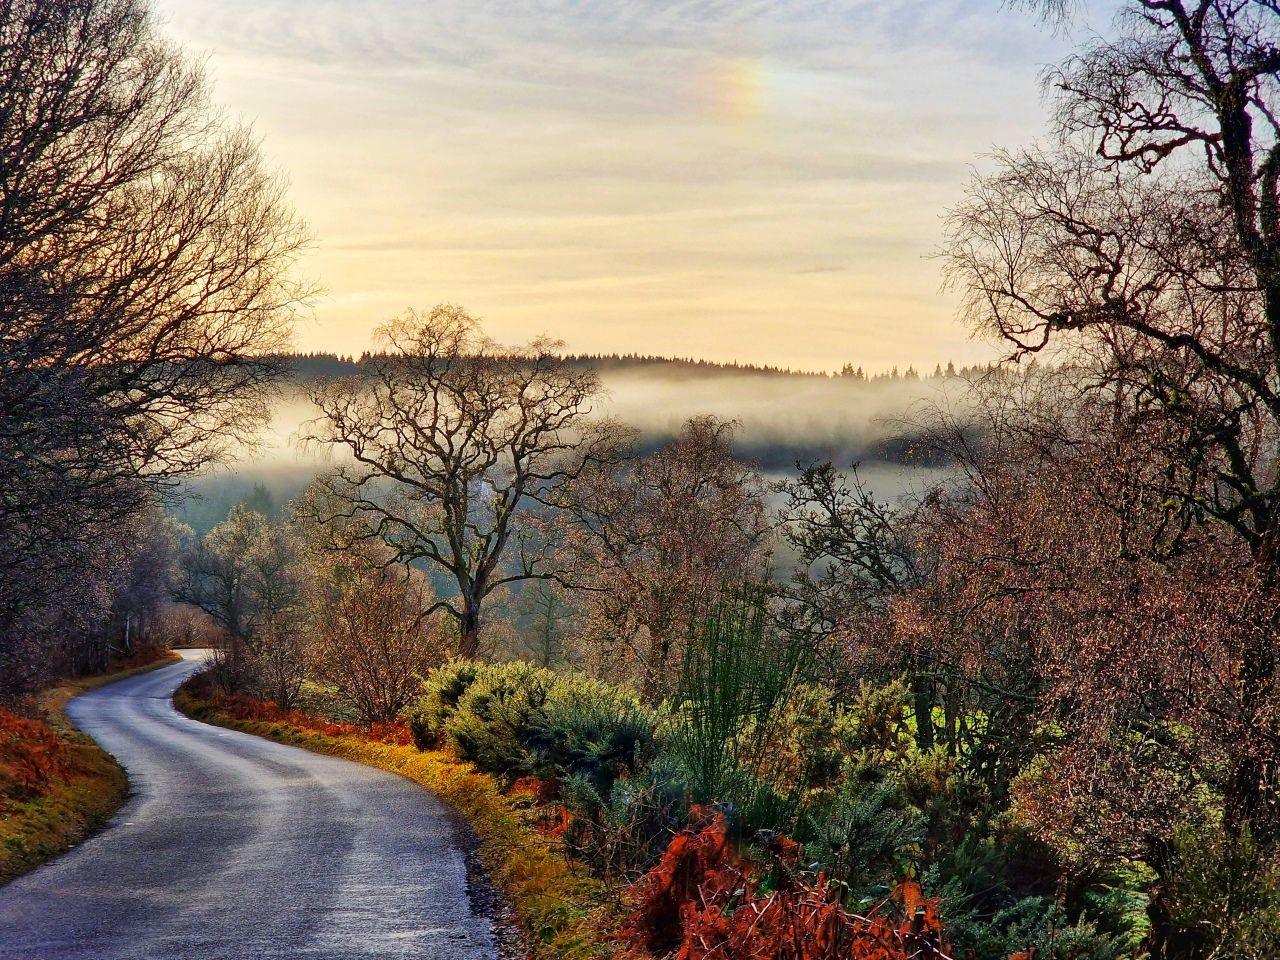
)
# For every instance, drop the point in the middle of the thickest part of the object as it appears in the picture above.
(566, 913)
(56, 785)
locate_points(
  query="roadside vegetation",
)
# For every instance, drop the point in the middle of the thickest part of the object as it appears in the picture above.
(1030, 712)
(56, 785)
(561, 908)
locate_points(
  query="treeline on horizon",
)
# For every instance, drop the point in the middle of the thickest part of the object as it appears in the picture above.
(320, 364)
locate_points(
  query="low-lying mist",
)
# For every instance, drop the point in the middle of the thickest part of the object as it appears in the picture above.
(783, 419)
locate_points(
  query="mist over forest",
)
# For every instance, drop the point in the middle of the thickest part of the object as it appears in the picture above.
(784, 417)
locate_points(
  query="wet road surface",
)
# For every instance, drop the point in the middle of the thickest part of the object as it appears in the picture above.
(236, 847)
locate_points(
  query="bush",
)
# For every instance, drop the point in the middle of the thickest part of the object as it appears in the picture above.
(1222, 894)
(865, 838)
(623, 832)
(590, 730)
(495, 720)
(442, 689)
(516, 720)
(1038, 926)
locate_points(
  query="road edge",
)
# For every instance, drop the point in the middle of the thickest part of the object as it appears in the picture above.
(80, 802)
(558, 910)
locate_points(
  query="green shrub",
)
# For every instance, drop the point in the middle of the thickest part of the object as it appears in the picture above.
(875, 726)
(865, 838)
(442, 688)
(1037, 924)
(737, 676)
(591, 730)
(1222, 893)
(624, 832)
(495, 722)
(516, 719)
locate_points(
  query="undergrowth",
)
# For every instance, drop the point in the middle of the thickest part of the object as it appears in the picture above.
(704, 896)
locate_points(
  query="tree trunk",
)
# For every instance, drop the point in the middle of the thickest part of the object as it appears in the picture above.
(1252, 788)
(922, 706)
(469, 630)
(655, 675)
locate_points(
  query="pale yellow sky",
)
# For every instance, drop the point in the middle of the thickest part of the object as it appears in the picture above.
(755, 180)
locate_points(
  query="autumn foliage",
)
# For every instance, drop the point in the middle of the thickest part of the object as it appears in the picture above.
(241, 706)
(31, 755)
(703, 901)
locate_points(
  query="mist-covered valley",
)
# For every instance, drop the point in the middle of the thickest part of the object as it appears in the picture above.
(783, 418)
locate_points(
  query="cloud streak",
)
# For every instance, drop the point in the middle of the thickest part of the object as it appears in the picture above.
(658, 176)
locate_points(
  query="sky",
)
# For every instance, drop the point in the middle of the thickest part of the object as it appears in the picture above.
(753, 180)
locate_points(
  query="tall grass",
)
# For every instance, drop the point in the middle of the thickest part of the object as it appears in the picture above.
(737, 677)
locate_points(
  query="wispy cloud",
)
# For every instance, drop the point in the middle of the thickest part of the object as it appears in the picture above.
(659, 175)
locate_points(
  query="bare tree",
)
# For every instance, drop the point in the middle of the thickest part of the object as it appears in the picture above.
(545, 609)
(217, 571)
(1092, 675)
(143, 283)
(149, 571)
(1145, 247)
(372, 635)
(853, 551)
(854, 556)
(279, 660)
(658, 537)
(452, 442)
(248, 575)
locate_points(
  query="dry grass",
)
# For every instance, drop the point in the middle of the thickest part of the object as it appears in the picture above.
(566, 913)
(56, 785)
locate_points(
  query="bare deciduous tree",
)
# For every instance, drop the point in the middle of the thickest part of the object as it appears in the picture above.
(546, 610)
(144, 254)
(248, 575)
(217, 571)
(372, 635)
(1145, 247)
(1146, 244)
(452, 442)
(1105, 671)
(658, 537)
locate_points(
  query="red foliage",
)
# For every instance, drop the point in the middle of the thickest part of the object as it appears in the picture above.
(539, 789)
(31, 754)
(705, 903)
(542, 795)
(241, 706)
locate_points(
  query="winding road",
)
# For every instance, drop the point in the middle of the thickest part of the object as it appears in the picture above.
(235, 847)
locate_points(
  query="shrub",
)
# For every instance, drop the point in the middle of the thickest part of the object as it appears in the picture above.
(516, 720)
(590, 730)
(494, 721)
(371, 640)
(1038, 927)
(1223, 892)
(442, 689)
(865, 837)
(705, 902)
(738, 674)
(623, 832)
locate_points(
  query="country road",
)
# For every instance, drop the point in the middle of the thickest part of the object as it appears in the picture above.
(235, 847)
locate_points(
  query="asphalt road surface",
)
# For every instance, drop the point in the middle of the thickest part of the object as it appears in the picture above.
(235, 847)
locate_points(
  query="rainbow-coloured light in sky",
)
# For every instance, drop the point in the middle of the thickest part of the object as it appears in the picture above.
(759, 181)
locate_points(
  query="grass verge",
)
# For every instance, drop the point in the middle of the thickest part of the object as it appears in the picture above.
(566, 913)
(56, 785)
